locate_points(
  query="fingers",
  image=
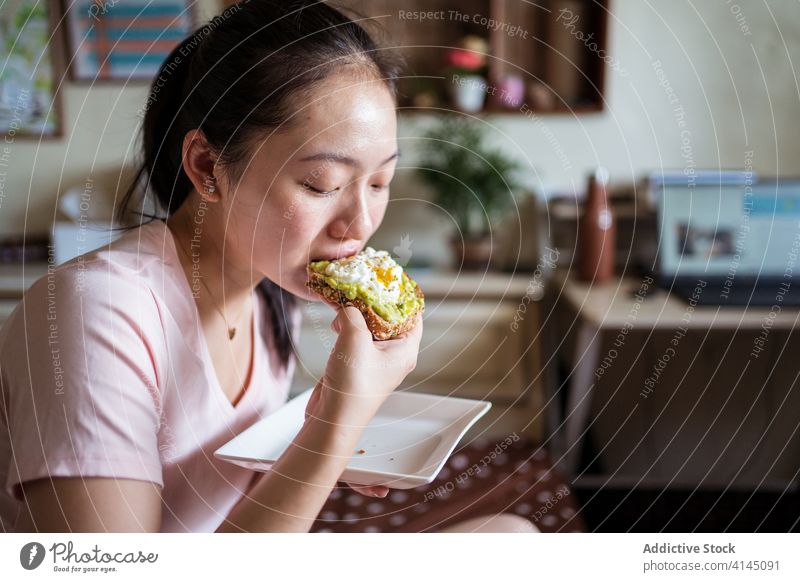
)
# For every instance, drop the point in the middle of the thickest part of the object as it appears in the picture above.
(412, 337)
(370, 490)
(416, 331)
(354, 317)
(349, 319)
(403, 351)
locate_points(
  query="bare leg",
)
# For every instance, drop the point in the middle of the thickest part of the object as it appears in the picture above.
(498, 523)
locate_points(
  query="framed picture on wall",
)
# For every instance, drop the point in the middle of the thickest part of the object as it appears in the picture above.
(124, 40)
(30, 104)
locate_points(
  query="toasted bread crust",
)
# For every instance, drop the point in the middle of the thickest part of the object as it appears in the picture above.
(380, 328)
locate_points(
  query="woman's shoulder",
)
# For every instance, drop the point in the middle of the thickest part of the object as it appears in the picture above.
(141, 251)
(136, 262)
(95, 282)
(82, 302)
(118, 281)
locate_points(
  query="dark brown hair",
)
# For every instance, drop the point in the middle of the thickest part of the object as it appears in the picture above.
(234, 78)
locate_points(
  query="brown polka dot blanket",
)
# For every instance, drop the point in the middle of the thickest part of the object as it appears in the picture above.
(478, 479)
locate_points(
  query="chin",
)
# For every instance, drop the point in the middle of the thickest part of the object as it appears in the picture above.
(306, 294)
(312, 297)
(298, 288)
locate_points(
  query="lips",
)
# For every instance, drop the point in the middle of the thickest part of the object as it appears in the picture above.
(336, 254)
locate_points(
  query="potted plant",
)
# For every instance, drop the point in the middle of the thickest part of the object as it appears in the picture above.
(472, 181)
(466, 67)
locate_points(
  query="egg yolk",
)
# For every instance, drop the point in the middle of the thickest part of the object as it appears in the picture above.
(383, 275)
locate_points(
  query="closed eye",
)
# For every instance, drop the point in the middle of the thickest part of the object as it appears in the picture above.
(308, 186)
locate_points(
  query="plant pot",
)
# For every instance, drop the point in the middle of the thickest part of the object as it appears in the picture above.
(471, 253)
(510, 92)
(469, 93)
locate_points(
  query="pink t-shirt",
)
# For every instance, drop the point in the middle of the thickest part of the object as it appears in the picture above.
(105, 372)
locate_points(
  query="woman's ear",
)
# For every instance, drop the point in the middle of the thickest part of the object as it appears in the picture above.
(199, 163)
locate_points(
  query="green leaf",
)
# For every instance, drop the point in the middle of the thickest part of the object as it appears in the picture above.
(469, 178)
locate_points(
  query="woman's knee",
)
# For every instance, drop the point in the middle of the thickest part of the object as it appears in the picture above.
(509, 522)
(498, 523)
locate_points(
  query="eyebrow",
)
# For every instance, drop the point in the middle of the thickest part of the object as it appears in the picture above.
(343, 159)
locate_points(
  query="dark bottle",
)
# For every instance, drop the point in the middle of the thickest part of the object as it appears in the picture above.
(597, 232)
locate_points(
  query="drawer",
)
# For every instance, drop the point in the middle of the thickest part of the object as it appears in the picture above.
(467, 339)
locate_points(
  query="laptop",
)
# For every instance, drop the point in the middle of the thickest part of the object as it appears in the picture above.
(729, 241)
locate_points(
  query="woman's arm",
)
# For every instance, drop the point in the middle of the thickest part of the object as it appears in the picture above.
(286, 499)
(360, 375)
(289, 496)
(75, 504)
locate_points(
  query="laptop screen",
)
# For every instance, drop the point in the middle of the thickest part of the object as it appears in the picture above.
(729, 229)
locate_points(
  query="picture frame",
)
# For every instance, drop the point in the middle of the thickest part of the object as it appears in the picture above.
(113, 41)
(30, 103)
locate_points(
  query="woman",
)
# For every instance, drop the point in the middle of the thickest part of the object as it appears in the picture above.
(269, 140)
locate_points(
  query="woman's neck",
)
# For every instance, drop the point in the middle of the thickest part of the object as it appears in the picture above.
(200, 240)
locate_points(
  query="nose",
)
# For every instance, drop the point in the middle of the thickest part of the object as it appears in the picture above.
(354, 220)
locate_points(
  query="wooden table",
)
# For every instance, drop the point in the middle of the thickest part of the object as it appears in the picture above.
(613, 307)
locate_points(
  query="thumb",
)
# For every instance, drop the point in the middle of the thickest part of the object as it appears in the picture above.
(349, 319)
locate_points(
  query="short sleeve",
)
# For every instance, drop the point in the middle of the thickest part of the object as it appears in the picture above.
(80, 378)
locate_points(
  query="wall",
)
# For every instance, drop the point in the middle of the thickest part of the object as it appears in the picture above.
(738, 90)
(100, 125)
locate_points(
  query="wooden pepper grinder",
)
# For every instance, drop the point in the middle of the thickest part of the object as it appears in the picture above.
(597, 232)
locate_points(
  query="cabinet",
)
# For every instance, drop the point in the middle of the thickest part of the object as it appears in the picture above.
(557, 49)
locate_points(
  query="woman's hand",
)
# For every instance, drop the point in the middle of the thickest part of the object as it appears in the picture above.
(365, 490)
(370, 490)
(361, 372)
(360, 375)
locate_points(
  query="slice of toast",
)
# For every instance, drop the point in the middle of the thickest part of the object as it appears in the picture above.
(380, 328)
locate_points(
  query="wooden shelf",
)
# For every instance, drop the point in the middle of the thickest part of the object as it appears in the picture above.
(411, 110)
(557, 47)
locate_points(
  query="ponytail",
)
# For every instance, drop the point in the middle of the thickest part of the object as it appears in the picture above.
(162, 137)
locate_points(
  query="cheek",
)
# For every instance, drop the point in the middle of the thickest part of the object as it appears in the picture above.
(287, 228)
(378, 210)
(302, 221)
(285, 233)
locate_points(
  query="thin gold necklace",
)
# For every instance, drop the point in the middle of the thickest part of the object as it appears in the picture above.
(231, 330)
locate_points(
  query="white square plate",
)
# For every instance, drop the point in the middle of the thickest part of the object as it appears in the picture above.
(405, 446)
